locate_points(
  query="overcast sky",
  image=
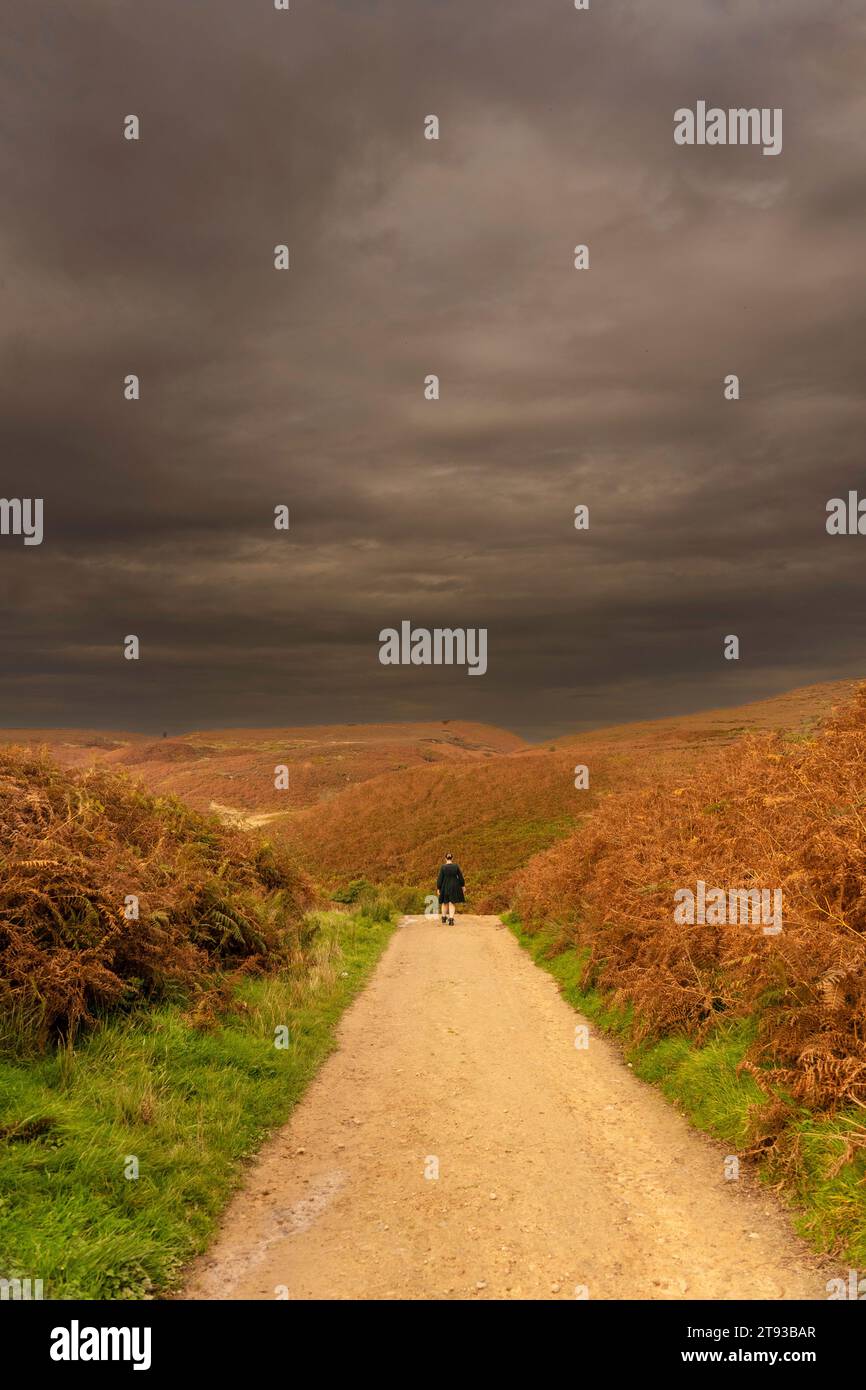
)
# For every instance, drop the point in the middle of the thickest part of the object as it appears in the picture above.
(409, 257)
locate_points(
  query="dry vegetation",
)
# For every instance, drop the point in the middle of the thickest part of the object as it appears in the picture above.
(397, 828)
(761, 796)
(497, 812)
(233, 769)
(73, 846)
(671, 801)
(773, 810)
(384, 801)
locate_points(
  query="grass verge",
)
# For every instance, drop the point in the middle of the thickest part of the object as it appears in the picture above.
(813, 1161)
(188, 1104)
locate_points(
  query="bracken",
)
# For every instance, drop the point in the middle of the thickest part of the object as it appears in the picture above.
(73, 847)
(768, 810)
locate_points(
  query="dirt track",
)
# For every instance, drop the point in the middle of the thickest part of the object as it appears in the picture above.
(557, 1167)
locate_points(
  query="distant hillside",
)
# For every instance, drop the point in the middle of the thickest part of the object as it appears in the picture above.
(385, 801)
(673, 738)
(397, 828)
(496, 816)
(232, 770)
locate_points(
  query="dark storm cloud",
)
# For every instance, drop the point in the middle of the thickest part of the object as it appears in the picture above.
(411, 257)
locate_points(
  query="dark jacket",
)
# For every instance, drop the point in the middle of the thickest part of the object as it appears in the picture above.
(449, 884)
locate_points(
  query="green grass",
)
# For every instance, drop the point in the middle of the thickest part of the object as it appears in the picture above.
(813, 1161)
(190, 1105)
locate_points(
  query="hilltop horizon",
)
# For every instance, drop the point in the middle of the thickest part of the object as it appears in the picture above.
(821, 689)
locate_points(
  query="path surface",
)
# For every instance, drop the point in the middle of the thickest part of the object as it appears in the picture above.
(557, 1167)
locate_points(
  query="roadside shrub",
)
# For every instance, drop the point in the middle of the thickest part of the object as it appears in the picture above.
(74, 847)
(359, 890)
(767, 812)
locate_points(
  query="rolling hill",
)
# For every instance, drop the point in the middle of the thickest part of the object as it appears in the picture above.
(232, 770)
(385, 801)
(496, 816)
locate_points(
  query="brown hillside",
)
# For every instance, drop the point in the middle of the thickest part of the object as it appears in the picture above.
(778, 810)
(232, 770)
(677, 743)
(493, 816)
(496, 816)
(384, 801)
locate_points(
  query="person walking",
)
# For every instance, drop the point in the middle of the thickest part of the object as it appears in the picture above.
(449, 886)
